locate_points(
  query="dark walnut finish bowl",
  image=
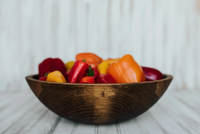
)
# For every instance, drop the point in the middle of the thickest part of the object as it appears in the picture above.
(98, 103)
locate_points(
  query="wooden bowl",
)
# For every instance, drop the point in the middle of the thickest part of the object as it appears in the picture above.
(98, 103)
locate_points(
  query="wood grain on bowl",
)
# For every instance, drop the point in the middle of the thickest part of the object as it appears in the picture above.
(98, 103)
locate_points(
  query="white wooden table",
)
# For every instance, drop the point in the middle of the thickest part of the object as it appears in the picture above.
(175, 113)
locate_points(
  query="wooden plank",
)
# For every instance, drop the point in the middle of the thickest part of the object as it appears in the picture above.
(159, 120)
(16, 111)
(145, 123)
(190, 100)
(107, 129)
(54, 125)
(165, 121)
(86, 129)
(5, 102)
(131, 126)
(186, 118)
(65, 127)
(190, 95)
(44, 125)
(28, 119)
(14, 106)
(176, 112)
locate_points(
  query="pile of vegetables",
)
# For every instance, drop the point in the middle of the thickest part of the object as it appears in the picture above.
(90, 68)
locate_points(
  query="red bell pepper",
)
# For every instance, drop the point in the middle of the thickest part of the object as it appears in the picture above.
(96, 73)
(67, 74)
(50, 65)
(105, 78)
(152, 74)
(87, 79)
(43, 78)
(92, 72)
(78, 71)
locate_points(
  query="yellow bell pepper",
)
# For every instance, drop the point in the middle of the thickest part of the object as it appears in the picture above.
(56, 76)
(69, 65)
(102, 67)
(110, 61)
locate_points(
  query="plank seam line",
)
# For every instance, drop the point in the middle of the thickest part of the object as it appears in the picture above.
(23, 104)
(96, 130)
(118, 129)
(37, 121)
(186, 104)
(54, 125)
(159, 125)
(185, 129)
(139, 126)
(179, 124)
(74, 128)
(21, 117)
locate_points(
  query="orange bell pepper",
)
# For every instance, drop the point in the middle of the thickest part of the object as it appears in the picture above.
(126, 70)
(87, 79)
(90, 58)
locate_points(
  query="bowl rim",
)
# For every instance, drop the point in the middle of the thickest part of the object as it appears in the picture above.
(31, 78)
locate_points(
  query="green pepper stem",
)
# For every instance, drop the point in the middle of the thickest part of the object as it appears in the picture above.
(46, 74)
(90, 72)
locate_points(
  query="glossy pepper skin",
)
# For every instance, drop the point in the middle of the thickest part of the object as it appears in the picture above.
(87, 79)
(110, 60)
(96, 73)
(67, 74)
(105, 78)
(90, 58)
(152, 74)
(102, 67)
(43, 78)
(50, 65)
(92, 72)
(69, 65)
(78, 71)
(56, 76)
(126, 70)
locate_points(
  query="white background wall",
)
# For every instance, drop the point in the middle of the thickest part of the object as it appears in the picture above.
(164, 34)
